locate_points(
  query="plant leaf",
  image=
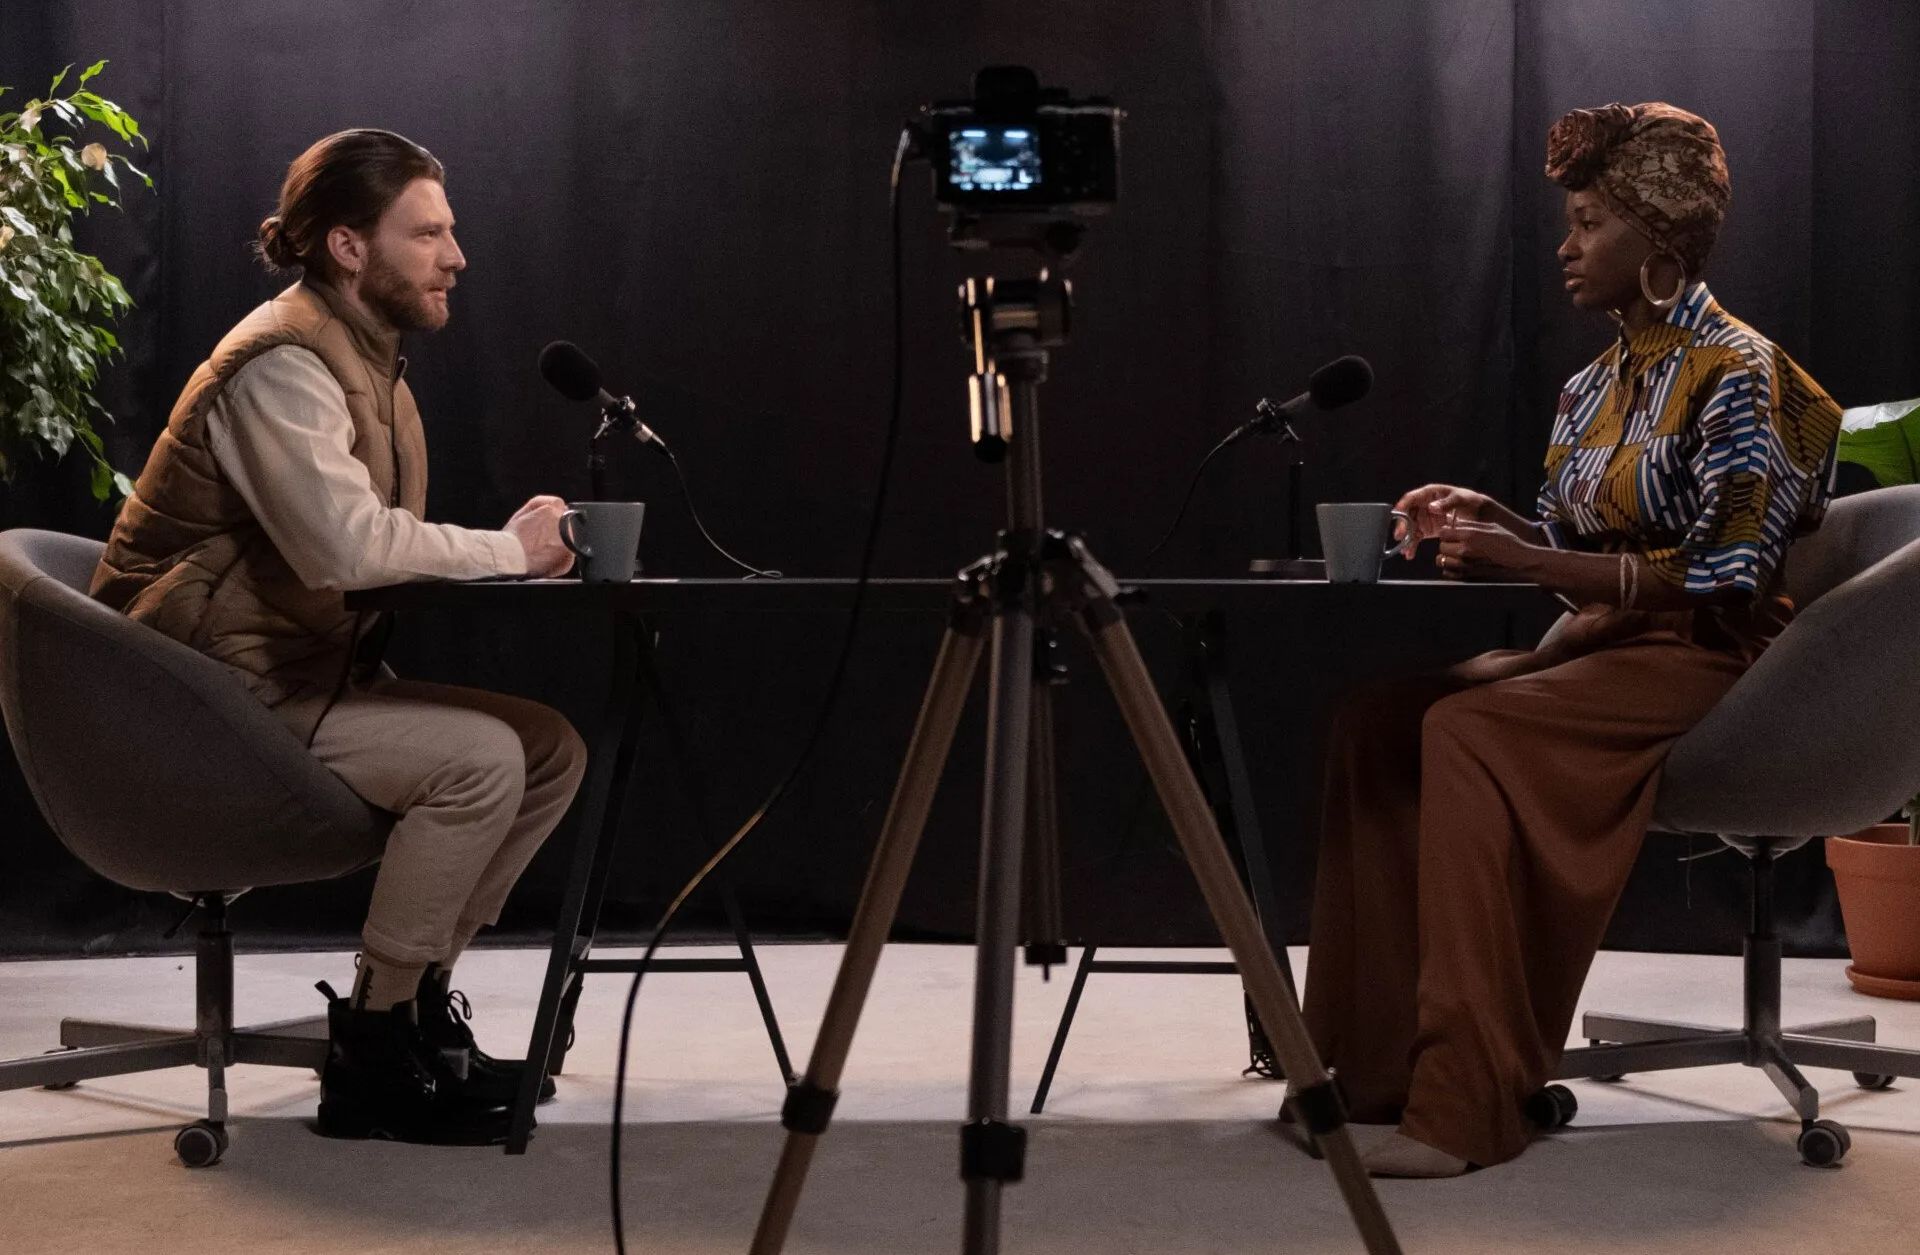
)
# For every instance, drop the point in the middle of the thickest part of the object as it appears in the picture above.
(142, 175)
(105, 112)
(92, 70)
(66, 188)
(58, 78)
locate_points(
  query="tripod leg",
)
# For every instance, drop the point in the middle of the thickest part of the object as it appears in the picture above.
(991, 1150)
(1042, 929)
(809, 1104)
(1206, 853)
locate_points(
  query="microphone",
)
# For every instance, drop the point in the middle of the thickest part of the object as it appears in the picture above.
(575, 376)
(1340, 382)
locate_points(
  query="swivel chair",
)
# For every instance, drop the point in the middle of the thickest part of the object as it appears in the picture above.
(1814, 740)
(157, 768)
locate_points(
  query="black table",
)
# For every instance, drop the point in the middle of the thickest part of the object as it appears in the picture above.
(1179, 596)
(1202, 604)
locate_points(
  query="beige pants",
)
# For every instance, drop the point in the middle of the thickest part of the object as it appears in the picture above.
(478, 779)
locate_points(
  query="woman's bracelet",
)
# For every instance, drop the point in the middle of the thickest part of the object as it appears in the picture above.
(1629, 581)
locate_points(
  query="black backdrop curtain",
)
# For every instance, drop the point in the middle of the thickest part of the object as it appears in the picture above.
(695, 191)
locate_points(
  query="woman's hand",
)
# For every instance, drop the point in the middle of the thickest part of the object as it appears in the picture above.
(1428, 509)
(1482, 551)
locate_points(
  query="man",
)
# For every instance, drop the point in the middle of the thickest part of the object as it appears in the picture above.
(293, 468)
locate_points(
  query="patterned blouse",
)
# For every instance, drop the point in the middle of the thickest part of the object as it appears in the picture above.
(1696, 443)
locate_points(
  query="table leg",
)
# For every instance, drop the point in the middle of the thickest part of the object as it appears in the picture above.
(693, 784)
(1242, 817)
(609, 768)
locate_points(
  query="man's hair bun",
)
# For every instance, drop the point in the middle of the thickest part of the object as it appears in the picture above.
(274, 247)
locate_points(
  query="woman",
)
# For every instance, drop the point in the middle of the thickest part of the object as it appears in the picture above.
(1480, 823)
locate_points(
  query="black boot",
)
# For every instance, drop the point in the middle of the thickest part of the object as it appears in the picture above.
(384, 1080)
(443, 1022)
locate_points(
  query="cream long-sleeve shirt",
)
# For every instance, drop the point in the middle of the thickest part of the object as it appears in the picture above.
(281, 433)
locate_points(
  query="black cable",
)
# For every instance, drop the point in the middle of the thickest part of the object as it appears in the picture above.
(1188, 499)
(820, 720)
(687, 493)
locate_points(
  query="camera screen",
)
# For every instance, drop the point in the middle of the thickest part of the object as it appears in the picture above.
(994, 159)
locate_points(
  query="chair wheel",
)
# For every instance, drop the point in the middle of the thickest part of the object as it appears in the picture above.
(57, 1086)
(1872, 1080)
(200, 1144)
(1824, 1143)
(1613, 1078)
(1552, 1108)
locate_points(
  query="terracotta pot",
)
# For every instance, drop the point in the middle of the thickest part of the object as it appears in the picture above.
(1877, 874)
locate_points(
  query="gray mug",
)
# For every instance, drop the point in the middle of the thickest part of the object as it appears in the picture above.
(606, 536)
(1356, 537)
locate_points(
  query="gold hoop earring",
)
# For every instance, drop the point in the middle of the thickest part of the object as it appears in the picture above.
(1655, 301)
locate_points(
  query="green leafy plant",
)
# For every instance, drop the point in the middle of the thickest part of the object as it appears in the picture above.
(1885, 439)
(55, 301)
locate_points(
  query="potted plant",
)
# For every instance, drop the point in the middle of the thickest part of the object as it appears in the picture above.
(1877, 873)
(1883, 440)
(55, 301)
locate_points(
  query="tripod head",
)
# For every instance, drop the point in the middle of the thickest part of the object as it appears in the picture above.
(1009, 324)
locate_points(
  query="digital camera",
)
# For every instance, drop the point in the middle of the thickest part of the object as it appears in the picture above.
(1017, 147)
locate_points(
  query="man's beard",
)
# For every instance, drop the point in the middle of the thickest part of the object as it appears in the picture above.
(389, 294)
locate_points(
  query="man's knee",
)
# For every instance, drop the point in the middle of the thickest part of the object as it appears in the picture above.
(486, 766)
(554, 750)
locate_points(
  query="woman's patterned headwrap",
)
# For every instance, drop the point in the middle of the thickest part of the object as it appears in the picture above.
(1659, 167)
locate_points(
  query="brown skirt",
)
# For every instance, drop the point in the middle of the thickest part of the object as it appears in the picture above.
(1476, 835)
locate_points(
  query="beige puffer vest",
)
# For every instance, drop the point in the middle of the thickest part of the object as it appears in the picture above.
(188, 557)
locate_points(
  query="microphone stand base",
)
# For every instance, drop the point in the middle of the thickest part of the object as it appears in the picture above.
(1288, 568)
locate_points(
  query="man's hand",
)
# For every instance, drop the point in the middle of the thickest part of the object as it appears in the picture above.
(1481, 551)
(1428, 509)
(536, 525)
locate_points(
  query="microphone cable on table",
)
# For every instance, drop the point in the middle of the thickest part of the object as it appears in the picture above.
(576, 377)
(1187, 500)
(1340, 382)
(812, 742)
(753, 572)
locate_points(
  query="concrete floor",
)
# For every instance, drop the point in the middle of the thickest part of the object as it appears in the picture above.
(1151, 1143)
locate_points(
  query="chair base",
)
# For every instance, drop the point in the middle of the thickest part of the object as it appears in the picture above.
(1624, 1044)
(91, 1049)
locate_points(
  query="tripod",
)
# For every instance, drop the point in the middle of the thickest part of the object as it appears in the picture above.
(1035, 580)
